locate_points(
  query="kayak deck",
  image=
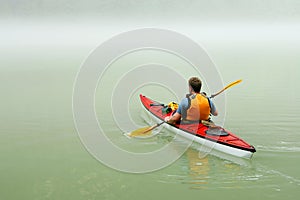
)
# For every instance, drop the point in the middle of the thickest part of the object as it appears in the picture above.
(217, 135)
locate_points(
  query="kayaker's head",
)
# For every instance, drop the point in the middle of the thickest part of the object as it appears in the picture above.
(195, 84)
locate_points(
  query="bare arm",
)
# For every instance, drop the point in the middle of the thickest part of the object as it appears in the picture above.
(173, 119)
(213, 108)
(215, 113)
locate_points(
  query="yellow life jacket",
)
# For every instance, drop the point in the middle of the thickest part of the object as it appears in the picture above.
(199, 108)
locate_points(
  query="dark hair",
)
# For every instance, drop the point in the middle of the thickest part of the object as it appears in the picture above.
(195, 83)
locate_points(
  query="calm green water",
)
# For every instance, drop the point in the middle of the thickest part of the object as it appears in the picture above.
(42, 156)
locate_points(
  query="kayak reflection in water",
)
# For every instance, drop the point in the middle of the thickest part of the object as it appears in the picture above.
(195, 106)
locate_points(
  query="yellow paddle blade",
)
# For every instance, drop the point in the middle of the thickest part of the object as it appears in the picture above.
(225, 88)
(141, 132)
(232, 84)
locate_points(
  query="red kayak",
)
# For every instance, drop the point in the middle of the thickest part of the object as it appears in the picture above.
(216, 138)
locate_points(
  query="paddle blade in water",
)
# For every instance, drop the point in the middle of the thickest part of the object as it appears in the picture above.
(146, 131)
(141, 132)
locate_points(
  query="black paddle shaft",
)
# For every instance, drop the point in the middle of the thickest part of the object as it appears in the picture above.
(157, 104)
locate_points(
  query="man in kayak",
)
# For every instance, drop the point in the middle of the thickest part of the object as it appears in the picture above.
(195, 107)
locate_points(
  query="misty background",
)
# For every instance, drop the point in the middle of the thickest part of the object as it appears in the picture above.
(88, 23)
(235, 10)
